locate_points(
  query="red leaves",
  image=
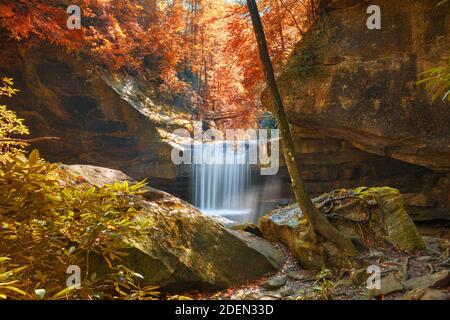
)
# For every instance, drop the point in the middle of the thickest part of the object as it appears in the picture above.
(210, 41)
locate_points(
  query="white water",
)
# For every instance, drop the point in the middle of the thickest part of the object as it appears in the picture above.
(221, 182)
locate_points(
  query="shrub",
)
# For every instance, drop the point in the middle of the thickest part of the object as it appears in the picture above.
(48, 224)
(10, 125)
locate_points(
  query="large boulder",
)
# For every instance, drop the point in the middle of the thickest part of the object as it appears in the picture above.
(375, 216)
(186, 249)
(359, 85)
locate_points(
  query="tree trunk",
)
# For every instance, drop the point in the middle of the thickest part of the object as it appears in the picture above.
(318, 221)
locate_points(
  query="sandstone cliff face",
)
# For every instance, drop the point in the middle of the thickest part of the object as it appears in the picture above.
(101, 119)
(352, 98)
(360, 85)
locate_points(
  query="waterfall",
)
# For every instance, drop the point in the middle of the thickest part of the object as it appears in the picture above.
(221, 178)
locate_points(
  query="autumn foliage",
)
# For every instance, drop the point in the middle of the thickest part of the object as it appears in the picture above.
(204, 48)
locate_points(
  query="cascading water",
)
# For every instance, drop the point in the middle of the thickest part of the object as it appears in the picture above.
(221, 178)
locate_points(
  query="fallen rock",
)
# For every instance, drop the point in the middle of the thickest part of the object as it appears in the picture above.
(436, 245)
(274, 283)
(376, 216)
(389, 284)
(440, 279)
(417, 286)
(184, 248)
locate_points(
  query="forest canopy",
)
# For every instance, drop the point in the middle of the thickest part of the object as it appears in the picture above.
(201, 48)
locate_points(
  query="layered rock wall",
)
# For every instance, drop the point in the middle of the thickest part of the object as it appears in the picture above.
(357, 113)
(100, 119)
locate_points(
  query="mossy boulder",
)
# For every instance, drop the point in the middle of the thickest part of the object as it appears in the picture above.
(374, 216)
(185, 249)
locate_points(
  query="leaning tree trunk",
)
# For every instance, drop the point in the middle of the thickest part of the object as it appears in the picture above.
(318, 221)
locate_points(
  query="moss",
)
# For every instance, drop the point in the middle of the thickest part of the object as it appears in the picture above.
(376, 215)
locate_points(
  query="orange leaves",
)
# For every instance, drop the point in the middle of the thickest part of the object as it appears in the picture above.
(6, 12)
(203, 49)
(112, 31)
(38, 21)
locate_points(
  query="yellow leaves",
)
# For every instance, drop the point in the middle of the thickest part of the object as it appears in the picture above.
(139, 187)
(63, 294)
(8, 81)
(8, 280)
(6, 88)
(47, 225)
(6, 286)
(33, 158)
(5, 275)
(10, 125)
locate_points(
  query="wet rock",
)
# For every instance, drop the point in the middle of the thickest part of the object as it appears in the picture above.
(274, 283)
(440, 279)
(185, 249)
(374, 215)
